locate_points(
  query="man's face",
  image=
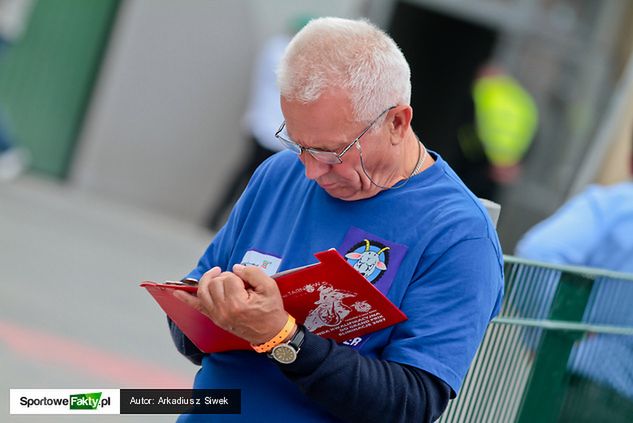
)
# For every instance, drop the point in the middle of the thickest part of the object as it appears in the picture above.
(328, 124)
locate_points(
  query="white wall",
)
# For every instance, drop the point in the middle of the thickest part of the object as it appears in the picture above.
(163, 130)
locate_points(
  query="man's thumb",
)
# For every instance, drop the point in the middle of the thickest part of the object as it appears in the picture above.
(254, 276)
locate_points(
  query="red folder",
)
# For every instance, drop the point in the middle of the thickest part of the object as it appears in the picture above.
(330, 298)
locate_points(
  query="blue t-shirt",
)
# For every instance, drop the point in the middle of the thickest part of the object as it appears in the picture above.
(594, 229)
(441, 264)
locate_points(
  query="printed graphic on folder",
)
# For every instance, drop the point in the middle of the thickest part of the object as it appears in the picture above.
(330, 298)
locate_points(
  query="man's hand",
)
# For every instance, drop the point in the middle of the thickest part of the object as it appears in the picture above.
(245, 302)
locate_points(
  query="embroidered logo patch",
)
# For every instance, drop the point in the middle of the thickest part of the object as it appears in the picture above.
(370, 258)
(377, 259)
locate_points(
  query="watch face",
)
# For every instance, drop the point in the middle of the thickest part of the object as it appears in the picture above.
(284, 354)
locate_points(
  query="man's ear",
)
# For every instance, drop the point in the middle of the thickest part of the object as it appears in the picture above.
(399, 122)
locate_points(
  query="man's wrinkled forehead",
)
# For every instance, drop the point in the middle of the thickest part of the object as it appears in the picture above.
(324, 124)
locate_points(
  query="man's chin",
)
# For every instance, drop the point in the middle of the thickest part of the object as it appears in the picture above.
(334, 190)
(340, 193)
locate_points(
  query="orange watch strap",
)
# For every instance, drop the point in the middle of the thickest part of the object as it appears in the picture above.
(277, 339)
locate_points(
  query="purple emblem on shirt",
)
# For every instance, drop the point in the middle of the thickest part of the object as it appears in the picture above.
(377, 259)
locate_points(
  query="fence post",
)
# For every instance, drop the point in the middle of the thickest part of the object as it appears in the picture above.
(545, 391)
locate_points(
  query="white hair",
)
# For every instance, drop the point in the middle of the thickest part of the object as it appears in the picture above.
(353, 55)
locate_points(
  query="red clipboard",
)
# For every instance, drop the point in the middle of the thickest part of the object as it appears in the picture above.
(330, 298)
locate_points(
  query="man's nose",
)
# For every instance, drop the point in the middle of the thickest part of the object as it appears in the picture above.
(314, 168)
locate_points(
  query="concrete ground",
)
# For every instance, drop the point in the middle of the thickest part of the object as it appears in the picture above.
(71, 312)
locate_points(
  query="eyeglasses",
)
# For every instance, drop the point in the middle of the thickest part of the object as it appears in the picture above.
(325, 156)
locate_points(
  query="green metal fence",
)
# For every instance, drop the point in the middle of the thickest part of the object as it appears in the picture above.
(47, 77)
(557, 325)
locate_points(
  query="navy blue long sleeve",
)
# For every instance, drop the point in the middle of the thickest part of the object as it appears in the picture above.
(184, 344)
(356, 388)
(372, 388)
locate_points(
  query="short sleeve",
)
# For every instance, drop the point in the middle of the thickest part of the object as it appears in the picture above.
(448, 310)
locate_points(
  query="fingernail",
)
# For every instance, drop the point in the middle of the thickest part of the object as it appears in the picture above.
(238, 267)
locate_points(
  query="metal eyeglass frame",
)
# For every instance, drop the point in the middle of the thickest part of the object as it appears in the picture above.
(324, 156)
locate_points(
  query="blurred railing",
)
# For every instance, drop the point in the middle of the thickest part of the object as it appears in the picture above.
(555, 321)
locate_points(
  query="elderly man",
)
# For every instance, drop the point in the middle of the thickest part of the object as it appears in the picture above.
(355, 175)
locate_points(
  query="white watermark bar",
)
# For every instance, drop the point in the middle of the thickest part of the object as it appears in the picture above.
(64, 401)
(125, 401)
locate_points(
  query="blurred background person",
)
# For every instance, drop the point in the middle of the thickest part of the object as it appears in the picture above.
(13, 16)
(594, 229)
(503, 119)
(261, 119)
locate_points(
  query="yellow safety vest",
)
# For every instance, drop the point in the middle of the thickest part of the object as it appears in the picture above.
(506, 118)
